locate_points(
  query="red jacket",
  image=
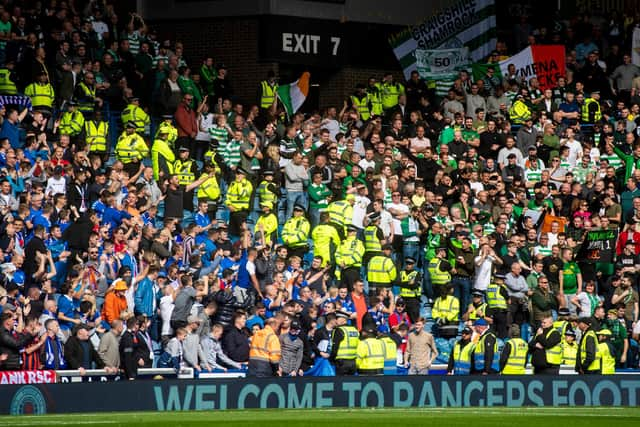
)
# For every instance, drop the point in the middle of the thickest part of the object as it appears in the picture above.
(186, 121)
(622, 241)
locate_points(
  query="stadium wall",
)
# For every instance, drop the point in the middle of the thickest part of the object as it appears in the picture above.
(318, 392)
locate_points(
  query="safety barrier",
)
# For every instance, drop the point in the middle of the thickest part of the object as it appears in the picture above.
(317, 392)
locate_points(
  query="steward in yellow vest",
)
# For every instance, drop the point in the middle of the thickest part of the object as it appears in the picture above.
(133, 113)
(96, 133)
(497, 305)
(72, 121)
(460, 357)
(349, 258)
(390, 91)
(546, 349)
(390, 355)
(345, 340)
(341, 213)
(606, 352)
(41, 93)
(381, 271)
(370, 354)
(591, 112)
(411, 288)
(268, 90)
(514, 354)
(360, 102)
(439, 269)
(374, 93)
(162, 157)
(238, 201)
(519, 112)
(485, 358)
(209, 190)
(86, 95)
(587, 362)
(7, 80)
(267, 225)
(131, 149)
(167, 127)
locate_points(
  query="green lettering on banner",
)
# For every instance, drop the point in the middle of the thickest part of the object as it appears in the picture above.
(579, 386)
(293, 398)
(559, 394)
(632, 388)
(401, 388)
(448, 397)
(471, 387)
(427, 396)
(606, 386)
(246, 391)
(513, 388)
(173, 398)
(534, 387)
(372, 387)
(351, 389)
(223, 396)
(323, 401)
(276, 390)
(201, 404)
(494, 399)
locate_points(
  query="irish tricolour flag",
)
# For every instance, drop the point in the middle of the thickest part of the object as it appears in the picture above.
(293, 94)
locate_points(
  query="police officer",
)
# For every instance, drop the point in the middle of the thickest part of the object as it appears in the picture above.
(370, 353)
(268, 90)
(374, 92)
(476, 309)
(460, 356)
(390, 352)
(562, 322)
(325, 240)
(133, 113)
(187, 170)
(591, 112)
(295, 233)
(131, 149)
(341, 213)
(360, 102)
(96, 133)
(266, 227)
(238, 200)
(41, 93)
(381, 271)
(485, 353)
(569, 348)
(267, 190)
(162, 157)
(345, 340)
(349, 258)
(497, 305)
(546, 349)
(167, 127)
(72, 121)
(390, 92)
(373, 237)
(587, 362)
(439, 269)
(514, 354)
(411, 288)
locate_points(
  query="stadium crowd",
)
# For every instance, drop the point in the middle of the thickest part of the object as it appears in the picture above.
(392, 232)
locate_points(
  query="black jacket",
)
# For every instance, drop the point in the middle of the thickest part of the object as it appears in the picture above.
(129, 354)
(11, 346)
(74, 354)
(539, 355)
(236, 345)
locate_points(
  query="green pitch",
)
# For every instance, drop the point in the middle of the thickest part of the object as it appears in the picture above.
(464, 417)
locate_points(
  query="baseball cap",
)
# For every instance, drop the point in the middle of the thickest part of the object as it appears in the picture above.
(480, 322)
(467, 330)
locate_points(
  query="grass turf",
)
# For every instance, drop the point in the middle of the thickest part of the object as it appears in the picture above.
(463, 417)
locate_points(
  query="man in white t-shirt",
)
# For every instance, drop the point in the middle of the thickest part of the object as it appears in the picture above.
(398, 211)
(575, 148)
(56, 184)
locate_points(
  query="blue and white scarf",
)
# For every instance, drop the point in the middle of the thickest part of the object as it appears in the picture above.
(50, 359)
